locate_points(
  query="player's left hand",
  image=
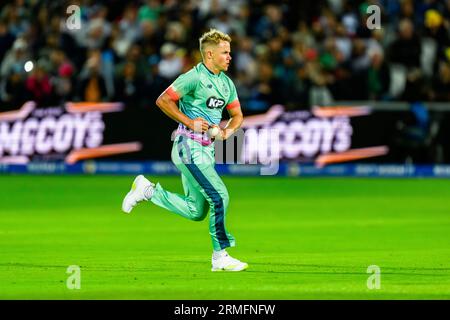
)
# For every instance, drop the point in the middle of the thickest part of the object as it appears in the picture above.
(224, 134)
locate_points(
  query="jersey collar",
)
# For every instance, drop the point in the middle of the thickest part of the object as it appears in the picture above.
(212, 73)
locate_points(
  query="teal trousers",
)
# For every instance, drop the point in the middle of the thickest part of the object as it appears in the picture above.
(204, 190)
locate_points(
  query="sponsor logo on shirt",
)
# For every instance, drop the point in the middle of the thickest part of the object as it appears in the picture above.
(215, 103)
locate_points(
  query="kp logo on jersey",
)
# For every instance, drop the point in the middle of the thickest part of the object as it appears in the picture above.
(214, 103)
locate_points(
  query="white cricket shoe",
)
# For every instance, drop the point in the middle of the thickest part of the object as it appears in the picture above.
(141, 189)
(227, 263)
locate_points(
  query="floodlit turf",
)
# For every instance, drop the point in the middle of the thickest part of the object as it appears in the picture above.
(303, 239)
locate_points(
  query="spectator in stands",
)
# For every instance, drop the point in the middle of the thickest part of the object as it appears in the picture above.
(407, 11)
(63, 83)
(6, 39)
(406, 49)
(275, 52)
(350, 19)
(150, 10)
(176, 34)
(129, 25)
(150, 40)
(378, 77)
(441, 83)
(362, 31)
(222, 22)
(91, 84)
(188, 23)
(359, 66)
(130, 87)
(38, 84)
(17, 18)
(435, 29)
(171, 63)
(319, 49)
(13, 91)
(244, 59)
(343, 43)
(58, 58)
(298, 89)
(15, 58)
(135, 55)
(267, 89)
(269, 25)
(97, 32)
(303, 35)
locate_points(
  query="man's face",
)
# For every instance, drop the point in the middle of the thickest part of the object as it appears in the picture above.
(221, 55)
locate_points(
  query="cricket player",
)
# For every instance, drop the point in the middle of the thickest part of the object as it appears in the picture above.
(201, 93)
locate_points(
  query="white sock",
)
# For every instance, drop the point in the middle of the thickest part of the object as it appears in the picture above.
(219, 253)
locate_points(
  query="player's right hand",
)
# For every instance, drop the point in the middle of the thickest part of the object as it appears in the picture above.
(199, 125)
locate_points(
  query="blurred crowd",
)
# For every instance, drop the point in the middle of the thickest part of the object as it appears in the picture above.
(299, 53)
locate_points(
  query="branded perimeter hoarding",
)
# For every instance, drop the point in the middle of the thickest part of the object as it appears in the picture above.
(74, 132)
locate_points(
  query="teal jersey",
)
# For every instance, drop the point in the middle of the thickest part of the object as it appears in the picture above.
(201, 93)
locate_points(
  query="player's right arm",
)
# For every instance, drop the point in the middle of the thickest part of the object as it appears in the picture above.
(170, 108)
(167, 101)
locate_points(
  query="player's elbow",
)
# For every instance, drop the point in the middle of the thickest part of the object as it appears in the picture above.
(159, 101)
(163, 100)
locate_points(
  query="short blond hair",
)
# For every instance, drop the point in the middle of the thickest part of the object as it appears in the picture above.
(213, 36)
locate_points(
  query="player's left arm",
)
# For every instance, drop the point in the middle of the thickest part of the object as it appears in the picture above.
(235, 112)
(235, 122)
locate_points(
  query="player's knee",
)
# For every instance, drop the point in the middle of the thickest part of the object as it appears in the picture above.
(200, 213)
(198, 217)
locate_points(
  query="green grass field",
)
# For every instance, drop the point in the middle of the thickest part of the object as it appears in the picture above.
(303, 239)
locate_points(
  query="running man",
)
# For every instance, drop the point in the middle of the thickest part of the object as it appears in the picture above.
(201, 93)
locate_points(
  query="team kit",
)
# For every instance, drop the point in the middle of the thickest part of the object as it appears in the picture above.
(196, 100)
